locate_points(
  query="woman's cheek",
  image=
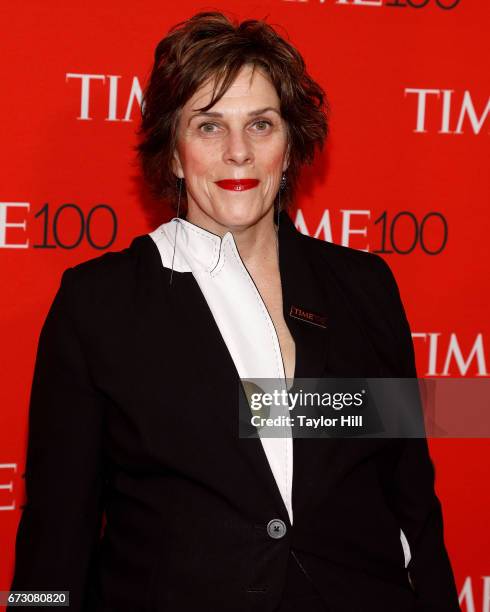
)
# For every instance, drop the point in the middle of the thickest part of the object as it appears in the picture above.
(274, 166)
(204, 158)
(196, 163)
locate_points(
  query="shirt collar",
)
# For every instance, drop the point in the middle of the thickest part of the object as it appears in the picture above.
(196, 249)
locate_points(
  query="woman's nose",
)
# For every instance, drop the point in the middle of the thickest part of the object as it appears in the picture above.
(238, 149)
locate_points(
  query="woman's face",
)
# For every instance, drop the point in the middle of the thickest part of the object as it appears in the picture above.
(242, 136)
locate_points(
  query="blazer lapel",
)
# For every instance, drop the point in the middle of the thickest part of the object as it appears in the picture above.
(330, 335)
(330, 342)
(304, 305)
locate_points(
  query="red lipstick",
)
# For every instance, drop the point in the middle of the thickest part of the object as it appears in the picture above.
(237, 184)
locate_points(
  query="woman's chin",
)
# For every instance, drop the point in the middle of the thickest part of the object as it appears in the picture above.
(240, 216)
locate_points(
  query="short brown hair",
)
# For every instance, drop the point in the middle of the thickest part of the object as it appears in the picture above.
(209, 45)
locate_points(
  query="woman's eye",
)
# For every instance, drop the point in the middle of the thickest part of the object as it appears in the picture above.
(206, 124)
(262, 123)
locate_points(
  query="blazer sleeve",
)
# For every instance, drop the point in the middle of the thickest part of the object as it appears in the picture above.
(413, 496)
(61, 521)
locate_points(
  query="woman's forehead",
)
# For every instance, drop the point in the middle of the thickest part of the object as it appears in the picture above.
(246, 90)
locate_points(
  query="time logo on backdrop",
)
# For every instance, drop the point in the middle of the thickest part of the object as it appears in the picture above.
(414, 4)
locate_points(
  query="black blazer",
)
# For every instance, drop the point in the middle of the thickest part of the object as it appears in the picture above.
(132, 413)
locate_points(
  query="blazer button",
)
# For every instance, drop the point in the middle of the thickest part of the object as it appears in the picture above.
(276, 528)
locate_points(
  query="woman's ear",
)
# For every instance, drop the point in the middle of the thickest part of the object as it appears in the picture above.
(176, 165)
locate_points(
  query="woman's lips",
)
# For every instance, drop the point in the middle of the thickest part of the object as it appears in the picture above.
(237, 184)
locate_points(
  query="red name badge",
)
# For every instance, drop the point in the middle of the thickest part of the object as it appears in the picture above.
(308, 316)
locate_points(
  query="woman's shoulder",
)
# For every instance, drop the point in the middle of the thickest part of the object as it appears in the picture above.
(347, 262)
(112, 275)
(140, 250)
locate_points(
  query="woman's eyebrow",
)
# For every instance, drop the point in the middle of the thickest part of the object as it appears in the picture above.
(250, 114)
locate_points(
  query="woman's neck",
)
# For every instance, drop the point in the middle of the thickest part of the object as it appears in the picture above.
(256, 243)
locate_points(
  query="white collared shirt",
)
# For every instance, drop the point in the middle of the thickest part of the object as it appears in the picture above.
(241, 315)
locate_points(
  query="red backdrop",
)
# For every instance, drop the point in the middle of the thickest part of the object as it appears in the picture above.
(403, 175)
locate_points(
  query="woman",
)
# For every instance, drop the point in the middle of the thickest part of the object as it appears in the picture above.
(133, 405)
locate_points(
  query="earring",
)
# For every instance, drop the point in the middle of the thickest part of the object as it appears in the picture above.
(179, 182)
(282, 186)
